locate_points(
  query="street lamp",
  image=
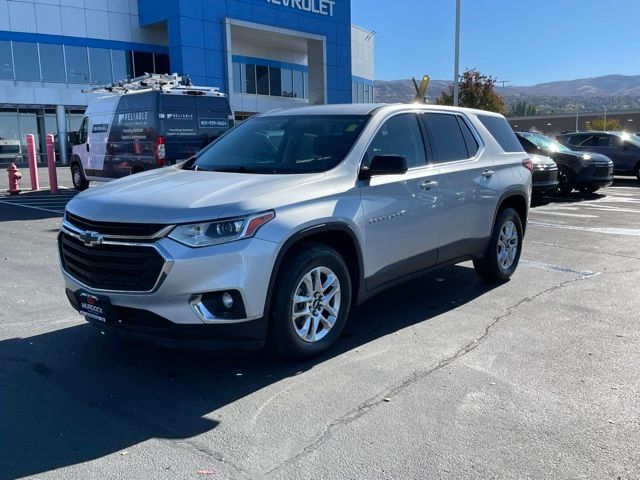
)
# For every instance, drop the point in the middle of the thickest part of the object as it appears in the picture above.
(456, 86)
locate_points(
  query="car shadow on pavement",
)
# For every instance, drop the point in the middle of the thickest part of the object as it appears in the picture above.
(74, 395)
(573, 197)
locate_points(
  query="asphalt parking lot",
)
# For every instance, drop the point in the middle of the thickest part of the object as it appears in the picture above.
(446, 377)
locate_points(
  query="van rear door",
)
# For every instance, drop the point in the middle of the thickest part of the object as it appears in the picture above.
(191, 122)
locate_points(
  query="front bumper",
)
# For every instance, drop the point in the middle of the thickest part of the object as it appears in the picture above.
(595, 175)
(244, 266)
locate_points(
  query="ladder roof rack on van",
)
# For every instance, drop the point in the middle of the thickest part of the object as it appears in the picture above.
(172, 84)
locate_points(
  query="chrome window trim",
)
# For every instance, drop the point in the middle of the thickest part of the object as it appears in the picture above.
(164, 271)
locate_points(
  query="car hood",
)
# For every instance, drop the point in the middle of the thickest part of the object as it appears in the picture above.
(171, 195)
(585, 158)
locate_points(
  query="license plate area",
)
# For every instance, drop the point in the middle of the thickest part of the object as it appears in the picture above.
(95, 307)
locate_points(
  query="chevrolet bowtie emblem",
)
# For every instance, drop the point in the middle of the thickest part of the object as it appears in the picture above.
(91, 239)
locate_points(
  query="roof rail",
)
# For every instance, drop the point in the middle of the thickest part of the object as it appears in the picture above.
(173, 84)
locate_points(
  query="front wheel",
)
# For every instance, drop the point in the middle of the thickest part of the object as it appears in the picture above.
(565, 185)
(503, 253)
(78, 179)
(311, 302)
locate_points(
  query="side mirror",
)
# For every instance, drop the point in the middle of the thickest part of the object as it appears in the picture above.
(384, 165)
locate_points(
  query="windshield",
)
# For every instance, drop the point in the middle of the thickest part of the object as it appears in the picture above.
(545, 143)
(283, 144)
(631, 138)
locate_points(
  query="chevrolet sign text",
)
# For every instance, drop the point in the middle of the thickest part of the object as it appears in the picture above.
(321, 7)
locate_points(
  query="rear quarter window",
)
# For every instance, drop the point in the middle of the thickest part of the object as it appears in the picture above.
(502, 132)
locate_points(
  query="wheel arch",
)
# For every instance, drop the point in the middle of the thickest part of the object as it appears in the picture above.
(517, 200)
(339, 236)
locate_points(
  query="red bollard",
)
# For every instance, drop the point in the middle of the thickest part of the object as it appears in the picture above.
(33, 167)
(14, 178)
(51, 163)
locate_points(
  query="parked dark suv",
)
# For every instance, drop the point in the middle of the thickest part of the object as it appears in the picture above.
(622, 148)
(586, 172)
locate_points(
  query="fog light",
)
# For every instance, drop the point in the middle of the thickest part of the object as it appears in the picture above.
(227, 300)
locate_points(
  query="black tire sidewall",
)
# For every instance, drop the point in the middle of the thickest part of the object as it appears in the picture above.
(282, 333)
(83, 182)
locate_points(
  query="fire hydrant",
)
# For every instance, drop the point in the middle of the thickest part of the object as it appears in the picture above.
(14, 179)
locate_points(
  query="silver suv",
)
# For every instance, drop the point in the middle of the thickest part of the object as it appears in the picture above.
(272, 232)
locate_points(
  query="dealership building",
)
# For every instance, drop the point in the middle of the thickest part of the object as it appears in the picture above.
(264, 54)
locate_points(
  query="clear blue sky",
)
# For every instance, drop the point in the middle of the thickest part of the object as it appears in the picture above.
(525, 41)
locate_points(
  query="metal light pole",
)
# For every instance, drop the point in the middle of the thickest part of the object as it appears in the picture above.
(605, 117)
(456, 87)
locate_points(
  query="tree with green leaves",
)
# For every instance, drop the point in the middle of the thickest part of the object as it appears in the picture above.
(522, 109)
(598, 124)
(476, 91)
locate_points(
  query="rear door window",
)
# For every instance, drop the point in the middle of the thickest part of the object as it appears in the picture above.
(470, 140)
(446, 137)
(502, 132)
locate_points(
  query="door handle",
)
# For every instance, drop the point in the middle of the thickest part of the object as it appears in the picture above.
(87, 147)
(487, 173)
(428, 184)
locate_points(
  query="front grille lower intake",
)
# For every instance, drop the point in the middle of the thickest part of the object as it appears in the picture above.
(111, 266)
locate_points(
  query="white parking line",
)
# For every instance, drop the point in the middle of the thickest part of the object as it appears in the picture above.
(629, 232)
(563, 214)
(557, 268)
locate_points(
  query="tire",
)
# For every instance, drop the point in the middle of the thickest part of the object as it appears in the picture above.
(78, 178)
(565, 185)
(286, 332)
(490, 267)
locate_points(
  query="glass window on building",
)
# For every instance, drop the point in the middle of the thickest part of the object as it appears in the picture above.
(100, 65)
(25, 56)
(366, 93)
(162, 64)
(77, 64)
(142, 63)
(6, 61)
(10, 150)
(305, 82)
(360, 93)
(122, 65)
(52, 63)
(275, 79)
(250, 80)
(237, 77)
(28, 122)
(287, 82)
(298, 85)
(262, 80)
(354, 92)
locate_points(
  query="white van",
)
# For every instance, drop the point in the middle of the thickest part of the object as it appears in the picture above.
(148, 122)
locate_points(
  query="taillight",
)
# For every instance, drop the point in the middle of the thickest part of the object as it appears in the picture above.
(160, 151)
(528, 164)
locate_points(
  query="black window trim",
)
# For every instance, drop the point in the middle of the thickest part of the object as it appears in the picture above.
(425, 142)
(460, 117)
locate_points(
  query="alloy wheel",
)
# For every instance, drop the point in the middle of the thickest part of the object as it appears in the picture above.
(507, 245)
(316, 304)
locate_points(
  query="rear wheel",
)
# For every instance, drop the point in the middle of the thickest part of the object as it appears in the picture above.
(503, 253)
(78, 178)
(312, 297)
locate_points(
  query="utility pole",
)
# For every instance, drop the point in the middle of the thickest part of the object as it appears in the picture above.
(605, 118)
(456, 73)
(577, 108)
(503, 82)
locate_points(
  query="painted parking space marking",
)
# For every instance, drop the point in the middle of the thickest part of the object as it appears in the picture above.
(557, 268)
(629, 232)
(564, 214)
(43, 201)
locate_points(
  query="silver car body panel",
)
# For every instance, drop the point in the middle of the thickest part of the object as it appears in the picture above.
(393, 218)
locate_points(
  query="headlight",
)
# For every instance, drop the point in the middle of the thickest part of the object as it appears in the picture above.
(221, 231)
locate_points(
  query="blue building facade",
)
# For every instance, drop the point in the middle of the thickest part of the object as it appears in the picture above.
(198, 40)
